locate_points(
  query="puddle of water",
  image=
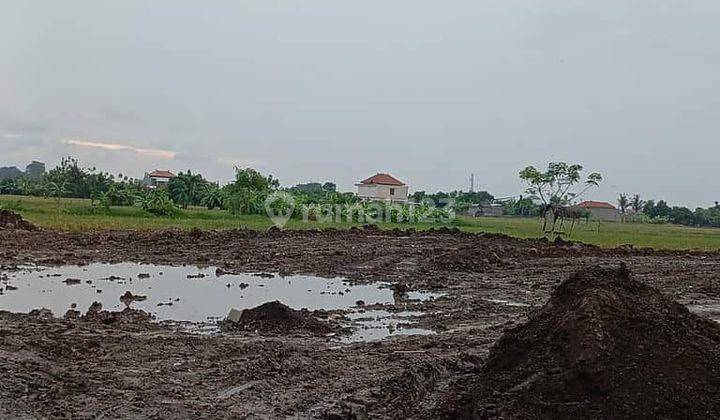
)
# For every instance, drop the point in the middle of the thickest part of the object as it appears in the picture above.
(378, 324)
(710, 310)
(508, 303)
(202, 297)
(192, 294)
(422, 296)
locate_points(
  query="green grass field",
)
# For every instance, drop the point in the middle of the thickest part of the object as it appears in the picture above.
(77, 215)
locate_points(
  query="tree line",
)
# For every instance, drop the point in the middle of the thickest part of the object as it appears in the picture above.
(248, 192)
(635, 209)
(245, 195)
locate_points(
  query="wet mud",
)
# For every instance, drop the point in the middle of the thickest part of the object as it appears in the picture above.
(484, 287)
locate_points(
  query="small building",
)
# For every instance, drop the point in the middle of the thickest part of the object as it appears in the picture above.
(383, 187)
(485, 210)
(158, 179)
(601, 210)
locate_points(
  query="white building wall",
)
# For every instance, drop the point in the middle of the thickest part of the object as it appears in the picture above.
(383, 192)
(610, 215)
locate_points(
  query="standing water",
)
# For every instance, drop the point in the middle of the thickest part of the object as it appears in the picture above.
(194, 294)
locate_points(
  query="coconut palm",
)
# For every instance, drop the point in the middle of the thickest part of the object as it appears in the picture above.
(187, 188)
(637, 204)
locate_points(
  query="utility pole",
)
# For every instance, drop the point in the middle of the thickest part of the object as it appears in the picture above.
(472, 183)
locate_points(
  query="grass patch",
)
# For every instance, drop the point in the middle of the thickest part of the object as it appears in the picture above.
(79, 215)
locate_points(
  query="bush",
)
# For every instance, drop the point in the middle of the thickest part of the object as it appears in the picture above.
(659, 220)
(158, 203)
(245, 201)
(638, 218)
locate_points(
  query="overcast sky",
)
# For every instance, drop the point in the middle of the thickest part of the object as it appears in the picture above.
(429, 91)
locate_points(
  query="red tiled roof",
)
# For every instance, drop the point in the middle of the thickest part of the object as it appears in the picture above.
(596, 205)
(162, 174)
(383, 179)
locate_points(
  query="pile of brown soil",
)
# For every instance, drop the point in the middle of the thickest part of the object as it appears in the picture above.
(126, 316)
(466, 259)
(275, 317)
(605, 345)
(12, 220)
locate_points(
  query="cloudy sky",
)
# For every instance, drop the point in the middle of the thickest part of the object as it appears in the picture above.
(336, 90)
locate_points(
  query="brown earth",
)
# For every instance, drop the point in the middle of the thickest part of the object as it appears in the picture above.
(59, 368)
(275, 317)
(12, 220)
(604, 346)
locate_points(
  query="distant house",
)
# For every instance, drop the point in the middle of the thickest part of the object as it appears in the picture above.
(158, 179)
(601, 210)
(485, 210)
(383, 187)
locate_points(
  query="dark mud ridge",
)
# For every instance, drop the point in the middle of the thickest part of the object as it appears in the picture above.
(275, 317)
(604, 346)
(10, 220)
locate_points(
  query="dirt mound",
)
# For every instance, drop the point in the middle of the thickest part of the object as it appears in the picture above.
(605, 345)
(468, 259)
(126, 316)
(275, 317)
(12, 220)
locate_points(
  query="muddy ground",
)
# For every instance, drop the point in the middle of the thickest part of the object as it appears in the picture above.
(56, 368)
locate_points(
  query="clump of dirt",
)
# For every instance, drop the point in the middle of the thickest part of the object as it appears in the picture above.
(604, 345)
(13, 221)
(126, 316)
(275, 317)
(127, 298)
(468, 259)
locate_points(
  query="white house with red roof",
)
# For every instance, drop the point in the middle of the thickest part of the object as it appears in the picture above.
(601, 210)
(383, 187)
(158, 179)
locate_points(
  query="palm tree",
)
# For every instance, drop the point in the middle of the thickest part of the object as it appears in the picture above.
(637, 204)
(623, 203)
(186, 189)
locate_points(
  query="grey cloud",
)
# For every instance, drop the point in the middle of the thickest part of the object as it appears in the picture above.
(427, 90)
(21, 127)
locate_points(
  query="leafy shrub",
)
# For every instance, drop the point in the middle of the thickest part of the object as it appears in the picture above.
(212, 197)
(638, 218)
(245, 201)
(659, 220)
(158, 203)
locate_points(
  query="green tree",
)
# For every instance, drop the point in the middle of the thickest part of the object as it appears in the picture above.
(636, 203)
(418, 196)
(523, 206)
(187, 189)
(35, 170)
(649, 208)
(623, 203)
(662, 209)
(246, 195)
(682, 216)
(329, 187)
(554, 185)
(212, 197)
(156, 202)
(56, 190)
(80, 182)
(9, 186)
